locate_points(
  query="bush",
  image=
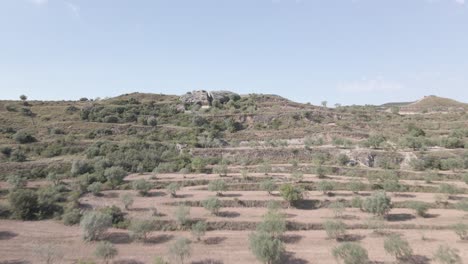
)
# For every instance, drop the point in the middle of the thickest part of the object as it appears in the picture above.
(290, 193)
(397, 247)
(198, 164)
(18, 156)
(127, 200)
(217, 186)
(273, 224)
(461, 230)
(320, 171)
(17, 182)
(342, 159)
(142, 186)
(71, 217)
(23, 137)
(139, 229)
(172, 188)
(351, 253)
(80, 167)
(105, 251)
(221, 169)
(421, 208)
(95, 188)
(199, 230)
(447, 255)
(152, 121)
(268, 186)
(24, 204)
(94, 224)
(212, 204)
(180, 250)
(448, 189)
(115, 175)
(182, 215)
(378, 204)
(326, 187)
(265, 248)
(335, 229)
(338, 208)
(356, 186)
(265, 167)
(115, 212)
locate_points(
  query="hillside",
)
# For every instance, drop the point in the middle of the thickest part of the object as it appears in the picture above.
(435, 103)
(215, 167)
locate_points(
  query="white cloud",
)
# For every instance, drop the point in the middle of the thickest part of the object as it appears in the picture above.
(461, 2)
(370, 85)
(73, 8)
(39, 2)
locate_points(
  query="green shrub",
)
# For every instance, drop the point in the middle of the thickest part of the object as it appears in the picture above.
(273, 224)
(105, 251)
(290, 193)
(266, 249)
(421, 208)
(397, 247)
(71, 217)
(447, 255)
(461, 230)
(142, 186)
(127, 200)
(212, 204)
(23, 137)
(355, 186)
(326, 187)
(94, 224)
(17, 182)
(24, 204)
(199, 230)
(172, 188)
(115, 175)
(95, 188)
(182, 214)
(338, 208)
(217, 186)
(115, 213)
(351, 253)
(335, 229)
(378, 204)
(139, 229)
(268, 186)
(180, 250)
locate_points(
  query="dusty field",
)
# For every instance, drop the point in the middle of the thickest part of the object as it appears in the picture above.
(19, 239)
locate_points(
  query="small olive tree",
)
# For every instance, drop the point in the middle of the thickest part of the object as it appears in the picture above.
(447, 255)
(268, 186)
(273, 224)
(172, 188)
(398, 247)
(199, 230)
(94, 224)
(127, 200)
(95, 188)
(180, 250)
(142, 186)
(105, 251)
(326, 187)
(461, 230)
(290, 193)
(217, 186)
(335, 229)
(212, 204)
(182, 214)
(351, 253)
(266, 249)
(421, 208)
(139, 229)
(378, 204)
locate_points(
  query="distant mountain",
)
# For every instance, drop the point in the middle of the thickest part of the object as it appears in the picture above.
(430, 103)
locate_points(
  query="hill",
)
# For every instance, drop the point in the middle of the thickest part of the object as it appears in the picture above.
(435, 103)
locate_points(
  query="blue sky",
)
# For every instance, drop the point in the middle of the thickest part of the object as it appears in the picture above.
(342, 51)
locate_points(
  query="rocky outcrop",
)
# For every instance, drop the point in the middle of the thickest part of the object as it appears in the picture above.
(203, 97)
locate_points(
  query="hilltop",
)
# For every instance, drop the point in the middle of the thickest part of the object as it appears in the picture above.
(434, 103)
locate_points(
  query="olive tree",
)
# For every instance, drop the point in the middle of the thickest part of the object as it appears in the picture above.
(217, 186)
(351, 253)
(212, 204)
(398, 247)
(378, 204)
(172, 188)
(447, 255)
(266, 249)
(105, 251)
(326, 187)
(142, 186)
(180, 250)
(356, 186)
(335, 229)
(461, 230)
(127, 200)
(94, 224)
(95, 188)
(115, 175)
(290, 193)
(421, 208)
(139, 229)
(273, 224)
(182, 214)
(17, 182)
(48, 253)
(199, 230)
(268, 186)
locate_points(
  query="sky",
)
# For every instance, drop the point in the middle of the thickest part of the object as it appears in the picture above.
(340, 51)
